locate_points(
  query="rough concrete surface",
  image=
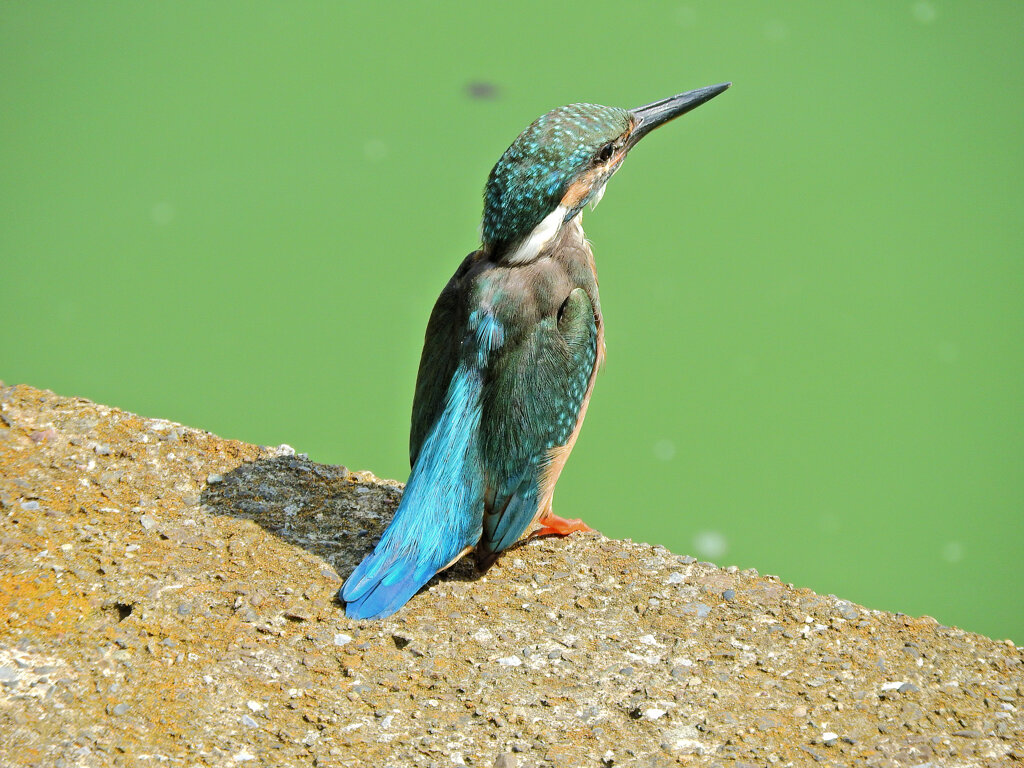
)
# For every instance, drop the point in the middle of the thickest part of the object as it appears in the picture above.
(168, 599)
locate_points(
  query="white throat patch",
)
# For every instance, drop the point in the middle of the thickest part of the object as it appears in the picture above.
(542, 234)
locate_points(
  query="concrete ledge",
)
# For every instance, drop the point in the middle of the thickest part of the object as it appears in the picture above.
(168, 598)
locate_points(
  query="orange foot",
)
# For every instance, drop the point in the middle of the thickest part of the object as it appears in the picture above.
(553, 524)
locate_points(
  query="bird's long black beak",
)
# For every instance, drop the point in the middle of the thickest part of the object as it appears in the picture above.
(660, 112)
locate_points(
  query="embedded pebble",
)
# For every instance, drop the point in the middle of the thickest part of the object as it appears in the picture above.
(700, 609)
(848, 611)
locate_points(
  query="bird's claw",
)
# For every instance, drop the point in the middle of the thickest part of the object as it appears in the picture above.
(551, 524)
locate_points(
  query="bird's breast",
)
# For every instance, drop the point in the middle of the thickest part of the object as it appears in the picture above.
(520, 295)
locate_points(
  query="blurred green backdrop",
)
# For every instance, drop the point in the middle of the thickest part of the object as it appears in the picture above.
(237, 215)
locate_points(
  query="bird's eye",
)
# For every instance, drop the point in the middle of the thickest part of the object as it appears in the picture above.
(604, 154)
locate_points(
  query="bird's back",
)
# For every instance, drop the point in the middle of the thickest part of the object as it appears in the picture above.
(547, 313)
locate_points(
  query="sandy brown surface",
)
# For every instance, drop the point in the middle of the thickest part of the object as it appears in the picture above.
(168, 599)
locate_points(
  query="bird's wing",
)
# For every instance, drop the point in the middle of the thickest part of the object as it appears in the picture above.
(531, 405)
(440, 357)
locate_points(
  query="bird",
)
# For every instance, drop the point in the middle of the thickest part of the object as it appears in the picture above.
(510, 355)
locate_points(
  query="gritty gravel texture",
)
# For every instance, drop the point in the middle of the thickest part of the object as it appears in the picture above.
(168, 599)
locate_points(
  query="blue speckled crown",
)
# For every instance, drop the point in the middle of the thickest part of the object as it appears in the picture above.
(529, 180)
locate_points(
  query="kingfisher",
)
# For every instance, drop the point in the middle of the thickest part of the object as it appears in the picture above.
(511, 351)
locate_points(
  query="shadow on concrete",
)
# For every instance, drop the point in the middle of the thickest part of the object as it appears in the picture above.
(330, 512)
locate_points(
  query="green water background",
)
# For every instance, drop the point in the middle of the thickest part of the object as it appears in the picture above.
(237, 215)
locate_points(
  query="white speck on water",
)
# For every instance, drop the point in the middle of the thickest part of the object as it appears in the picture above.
(686, 17)
(711, 544)
(744, 365)
(342, 639)
(829, 522)
(776, 30)
(947, 352)
(375, 150)
(510, 661)
(162, 213)
(953, 552)
(664, 450)
(924, 12)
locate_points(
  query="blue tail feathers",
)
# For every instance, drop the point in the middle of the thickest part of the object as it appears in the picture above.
(440, 515)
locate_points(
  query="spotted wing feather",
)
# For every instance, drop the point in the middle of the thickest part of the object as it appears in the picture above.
(530, 409)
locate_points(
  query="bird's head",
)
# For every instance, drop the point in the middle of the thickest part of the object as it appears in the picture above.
(561, 162)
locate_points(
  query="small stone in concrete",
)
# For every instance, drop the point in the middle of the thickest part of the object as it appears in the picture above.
(9, 675)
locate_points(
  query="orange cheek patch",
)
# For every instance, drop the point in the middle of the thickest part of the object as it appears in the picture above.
(580, 188)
